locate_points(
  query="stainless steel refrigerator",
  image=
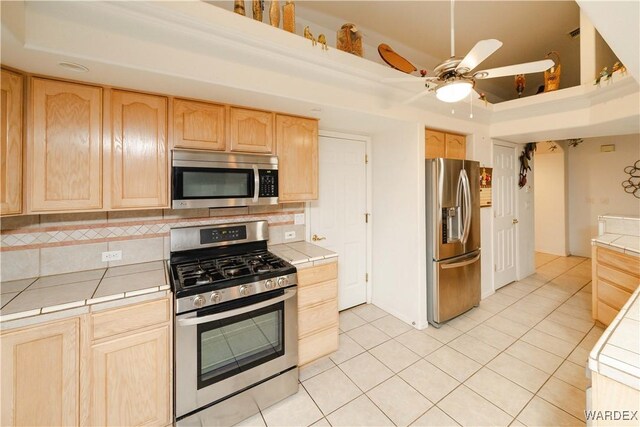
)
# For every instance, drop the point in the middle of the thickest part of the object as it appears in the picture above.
(453, 238)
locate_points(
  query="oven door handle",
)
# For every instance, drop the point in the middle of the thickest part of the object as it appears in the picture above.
(256, 183)
(289, 293)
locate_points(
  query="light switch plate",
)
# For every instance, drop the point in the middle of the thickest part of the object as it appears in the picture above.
(111, 256)
(298, 219)
(288, 235)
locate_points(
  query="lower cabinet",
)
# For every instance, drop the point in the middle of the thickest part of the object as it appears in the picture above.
(317, 312)
(109, 368)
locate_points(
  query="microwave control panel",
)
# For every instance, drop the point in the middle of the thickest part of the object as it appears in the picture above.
(268, 183)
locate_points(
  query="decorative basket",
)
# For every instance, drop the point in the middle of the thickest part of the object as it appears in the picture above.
(552, 75)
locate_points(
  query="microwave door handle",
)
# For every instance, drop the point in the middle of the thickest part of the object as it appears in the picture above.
(256, 183)
(218, 316)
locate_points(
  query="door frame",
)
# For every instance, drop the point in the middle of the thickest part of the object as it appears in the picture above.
(516, 208)
(369, 204)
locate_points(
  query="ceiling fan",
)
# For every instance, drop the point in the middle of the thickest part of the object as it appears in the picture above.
(454, 78)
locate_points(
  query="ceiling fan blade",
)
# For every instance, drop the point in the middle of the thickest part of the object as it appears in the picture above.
(481, 51)
(512, 70)
(406, 79)
(416, 96)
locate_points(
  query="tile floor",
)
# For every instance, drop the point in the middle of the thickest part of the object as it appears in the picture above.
(518, 359)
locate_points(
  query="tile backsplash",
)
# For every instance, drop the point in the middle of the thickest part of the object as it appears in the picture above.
(39, 245)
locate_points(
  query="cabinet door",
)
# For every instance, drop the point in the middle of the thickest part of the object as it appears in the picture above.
(297, 142)
(251, 131)
(138, 150)
(131, 380)
(11, 143)
(456, 146)
(433, 144)
(65, 146)
(40, 375)
(198, 125)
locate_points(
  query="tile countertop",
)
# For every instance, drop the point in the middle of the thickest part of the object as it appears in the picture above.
(302, 254)
(617, 353)
(42, 295)
(619, 233)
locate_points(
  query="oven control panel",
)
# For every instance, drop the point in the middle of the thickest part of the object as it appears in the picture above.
(224, 234)
(268, 183)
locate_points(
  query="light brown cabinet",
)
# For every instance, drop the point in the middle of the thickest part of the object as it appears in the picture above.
(251, 130)
(615, 276)
(297, 148)
(65, 146)
(317, 312)
(139, 161)
(446, 145)
(40, 375)
(198, 125)
(11, 107)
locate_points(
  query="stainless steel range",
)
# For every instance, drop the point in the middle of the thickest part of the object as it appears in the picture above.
(236, 325)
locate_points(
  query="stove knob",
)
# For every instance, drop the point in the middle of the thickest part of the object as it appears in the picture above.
(282, 282)
(269, 284)
(244, 290)
(215, 297)
(198, 301)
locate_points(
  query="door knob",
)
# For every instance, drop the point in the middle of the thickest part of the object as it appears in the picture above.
(515, 221)
(317, 238)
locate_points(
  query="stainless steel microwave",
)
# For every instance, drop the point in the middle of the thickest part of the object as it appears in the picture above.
(203, 179)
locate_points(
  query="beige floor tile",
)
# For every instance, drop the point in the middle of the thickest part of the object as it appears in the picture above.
(552, 292)
(592, 337)
(541, 413)
(581, 300)
(349, 321)
(474, 348)
(369, 312)
(399, 401)
(560, 331)
(347, 348)
(316, 367)
(331, 389)
(366, 371)
(509, 327)
(296, 410)
(478, 314)
(534, 356)
(321, 423)
(453, 363)
(470, 409)
(394, 355)
(538, 304)
(564, 396)
(463, 323)
(573, 374)
(513, 291)
(253, 421)
(500, 298)
(444, 333)
(522, 317)
(419, 342)
(359, 412)
(391, 326)
(544, 258)
(535, 280)
(435, 417)
(579, 356)
(549, 343)
(573, 317)
(503, 393)
(516, 423)
(491, 336)
(432, 382)
(519, 372)
(492, 306)
(524, 286)
(368, 336)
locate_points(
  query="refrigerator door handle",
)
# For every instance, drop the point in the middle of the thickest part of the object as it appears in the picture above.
(466, 188)
(461, 263)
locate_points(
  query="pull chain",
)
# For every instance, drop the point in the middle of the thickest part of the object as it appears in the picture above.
(471, 104)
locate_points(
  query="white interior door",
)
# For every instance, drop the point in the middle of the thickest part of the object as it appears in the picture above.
(504, 212)
(338, 216)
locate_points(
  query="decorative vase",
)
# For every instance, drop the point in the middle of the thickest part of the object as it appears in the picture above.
(258, 7)
(274, 13)
(552, 75)
(289, 16)
(238, 7)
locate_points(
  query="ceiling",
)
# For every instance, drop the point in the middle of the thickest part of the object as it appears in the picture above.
(528, 30)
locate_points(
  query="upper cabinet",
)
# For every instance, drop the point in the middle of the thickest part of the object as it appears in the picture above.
(446, 145)
(251, 130)
(11, 107)
(139, 162)
(198, 125)
(297, 142)
(65, 146)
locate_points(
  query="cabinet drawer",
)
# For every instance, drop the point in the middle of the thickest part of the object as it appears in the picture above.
(315, 294)
(321, 273)
(612, 295)
(606, 314)
(130, 318)
(317, 345)
(316, 318)
(618, 278)
(626, 263)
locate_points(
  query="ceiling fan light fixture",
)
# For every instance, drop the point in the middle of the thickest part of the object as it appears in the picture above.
(454, 91)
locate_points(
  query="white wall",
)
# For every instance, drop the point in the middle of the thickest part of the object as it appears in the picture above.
(595, 186)
(550, 200)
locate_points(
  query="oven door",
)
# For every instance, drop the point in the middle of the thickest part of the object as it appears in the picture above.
(227, 348)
